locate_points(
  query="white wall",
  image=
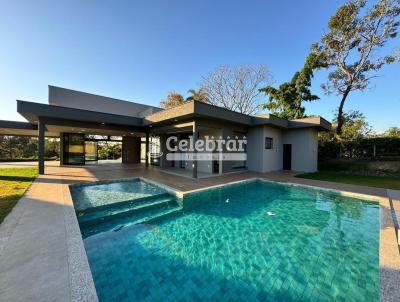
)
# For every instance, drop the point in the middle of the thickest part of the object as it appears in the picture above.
(260, 159)
(273, 157)
(304, 149)
(255, 159)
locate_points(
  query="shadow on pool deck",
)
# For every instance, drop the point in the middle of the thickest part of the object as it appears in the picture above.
(16, 178)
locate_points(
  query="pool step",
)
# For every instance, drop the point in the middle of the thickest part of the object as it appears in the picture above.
(128, 213)
(125, 209)
(162, 214)
(126, 203)
(138, 217)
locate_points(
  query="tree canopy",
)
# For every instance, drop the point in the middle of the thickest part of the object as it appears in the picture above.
(355, 127)
(393, 132)
(286, 101)
(356, 33)
(173, 99)
(197, 95)
(236, 88)
(22, 147)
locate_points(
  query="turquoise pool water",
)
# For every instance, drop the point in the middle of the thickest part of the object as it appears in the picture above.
(103, 193)
(224, 246)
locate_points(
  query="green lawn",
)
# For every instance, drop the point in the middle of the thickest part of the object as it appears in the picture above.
(13, 184)
(370, 181)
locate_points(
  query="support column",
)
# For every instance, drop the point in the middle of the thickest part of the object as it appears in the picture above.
(147, 149)
(130, 150)
(163, 151)
(62, 149)
(194, 162)
(41, 136)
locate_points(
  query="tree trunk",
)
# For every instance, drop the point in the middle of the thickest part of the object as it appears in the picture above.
(340, 112)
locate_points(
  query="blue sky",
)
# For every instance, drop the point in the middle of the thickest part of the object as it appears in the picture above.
(141, 50)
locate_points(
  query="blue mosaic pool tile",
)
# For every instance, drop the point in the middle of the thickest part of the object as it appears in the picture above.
(318, 247)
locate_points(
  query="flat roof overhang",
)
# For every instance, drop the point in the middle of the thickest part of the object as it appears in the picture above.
(196, 109)
(32, 111)
(70, 120)
(54, 127)
(73, 126)
(316, 122)
(98, 122)
(13, 128)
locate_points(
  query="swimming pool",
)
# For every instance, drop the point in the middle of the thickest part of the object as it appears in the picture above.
(256, 241)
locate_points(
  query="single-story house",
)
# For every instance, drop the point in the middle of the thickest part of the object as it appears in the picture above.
(80, 119)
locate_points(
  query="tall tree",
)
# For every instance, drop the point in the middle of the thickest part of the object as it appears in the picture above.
(351, 45)
(197, 95)
(355, 127)
(393, 132)
(173, 99)
(236, 88)
(22, 147)
(286, 101)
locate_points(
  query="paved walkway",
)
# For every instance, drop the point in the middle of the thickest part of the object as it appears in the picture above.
(41, 251)
(26, 164)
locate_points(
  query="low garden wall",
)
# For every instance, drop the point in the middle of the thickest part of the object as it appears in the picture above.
(375, 148)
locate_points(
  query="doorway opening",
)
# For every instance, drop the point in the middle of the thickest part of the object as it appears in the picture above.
(287, 156)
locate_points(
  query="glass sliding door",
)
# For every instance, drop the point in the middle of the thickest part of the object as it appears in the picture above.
(90, 151)
(74, 149)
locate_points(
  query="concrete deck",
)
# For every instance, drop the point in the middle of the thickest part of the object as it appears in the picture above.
(42, 257)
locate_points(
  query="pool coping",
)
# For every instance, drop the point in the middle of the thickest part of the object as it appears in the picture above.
(80, 276)
(81, 279)
(180, 194)
(367, 197)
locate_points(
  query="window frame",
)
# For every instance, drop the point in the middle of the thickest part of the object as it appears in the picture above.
(268, 143)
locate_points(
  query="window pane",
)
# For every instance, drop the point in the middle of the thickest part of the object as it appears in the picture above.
(268, 143)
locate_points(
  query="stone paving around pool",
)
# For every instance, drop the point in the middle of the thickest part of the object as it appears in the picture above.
(42, 257)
